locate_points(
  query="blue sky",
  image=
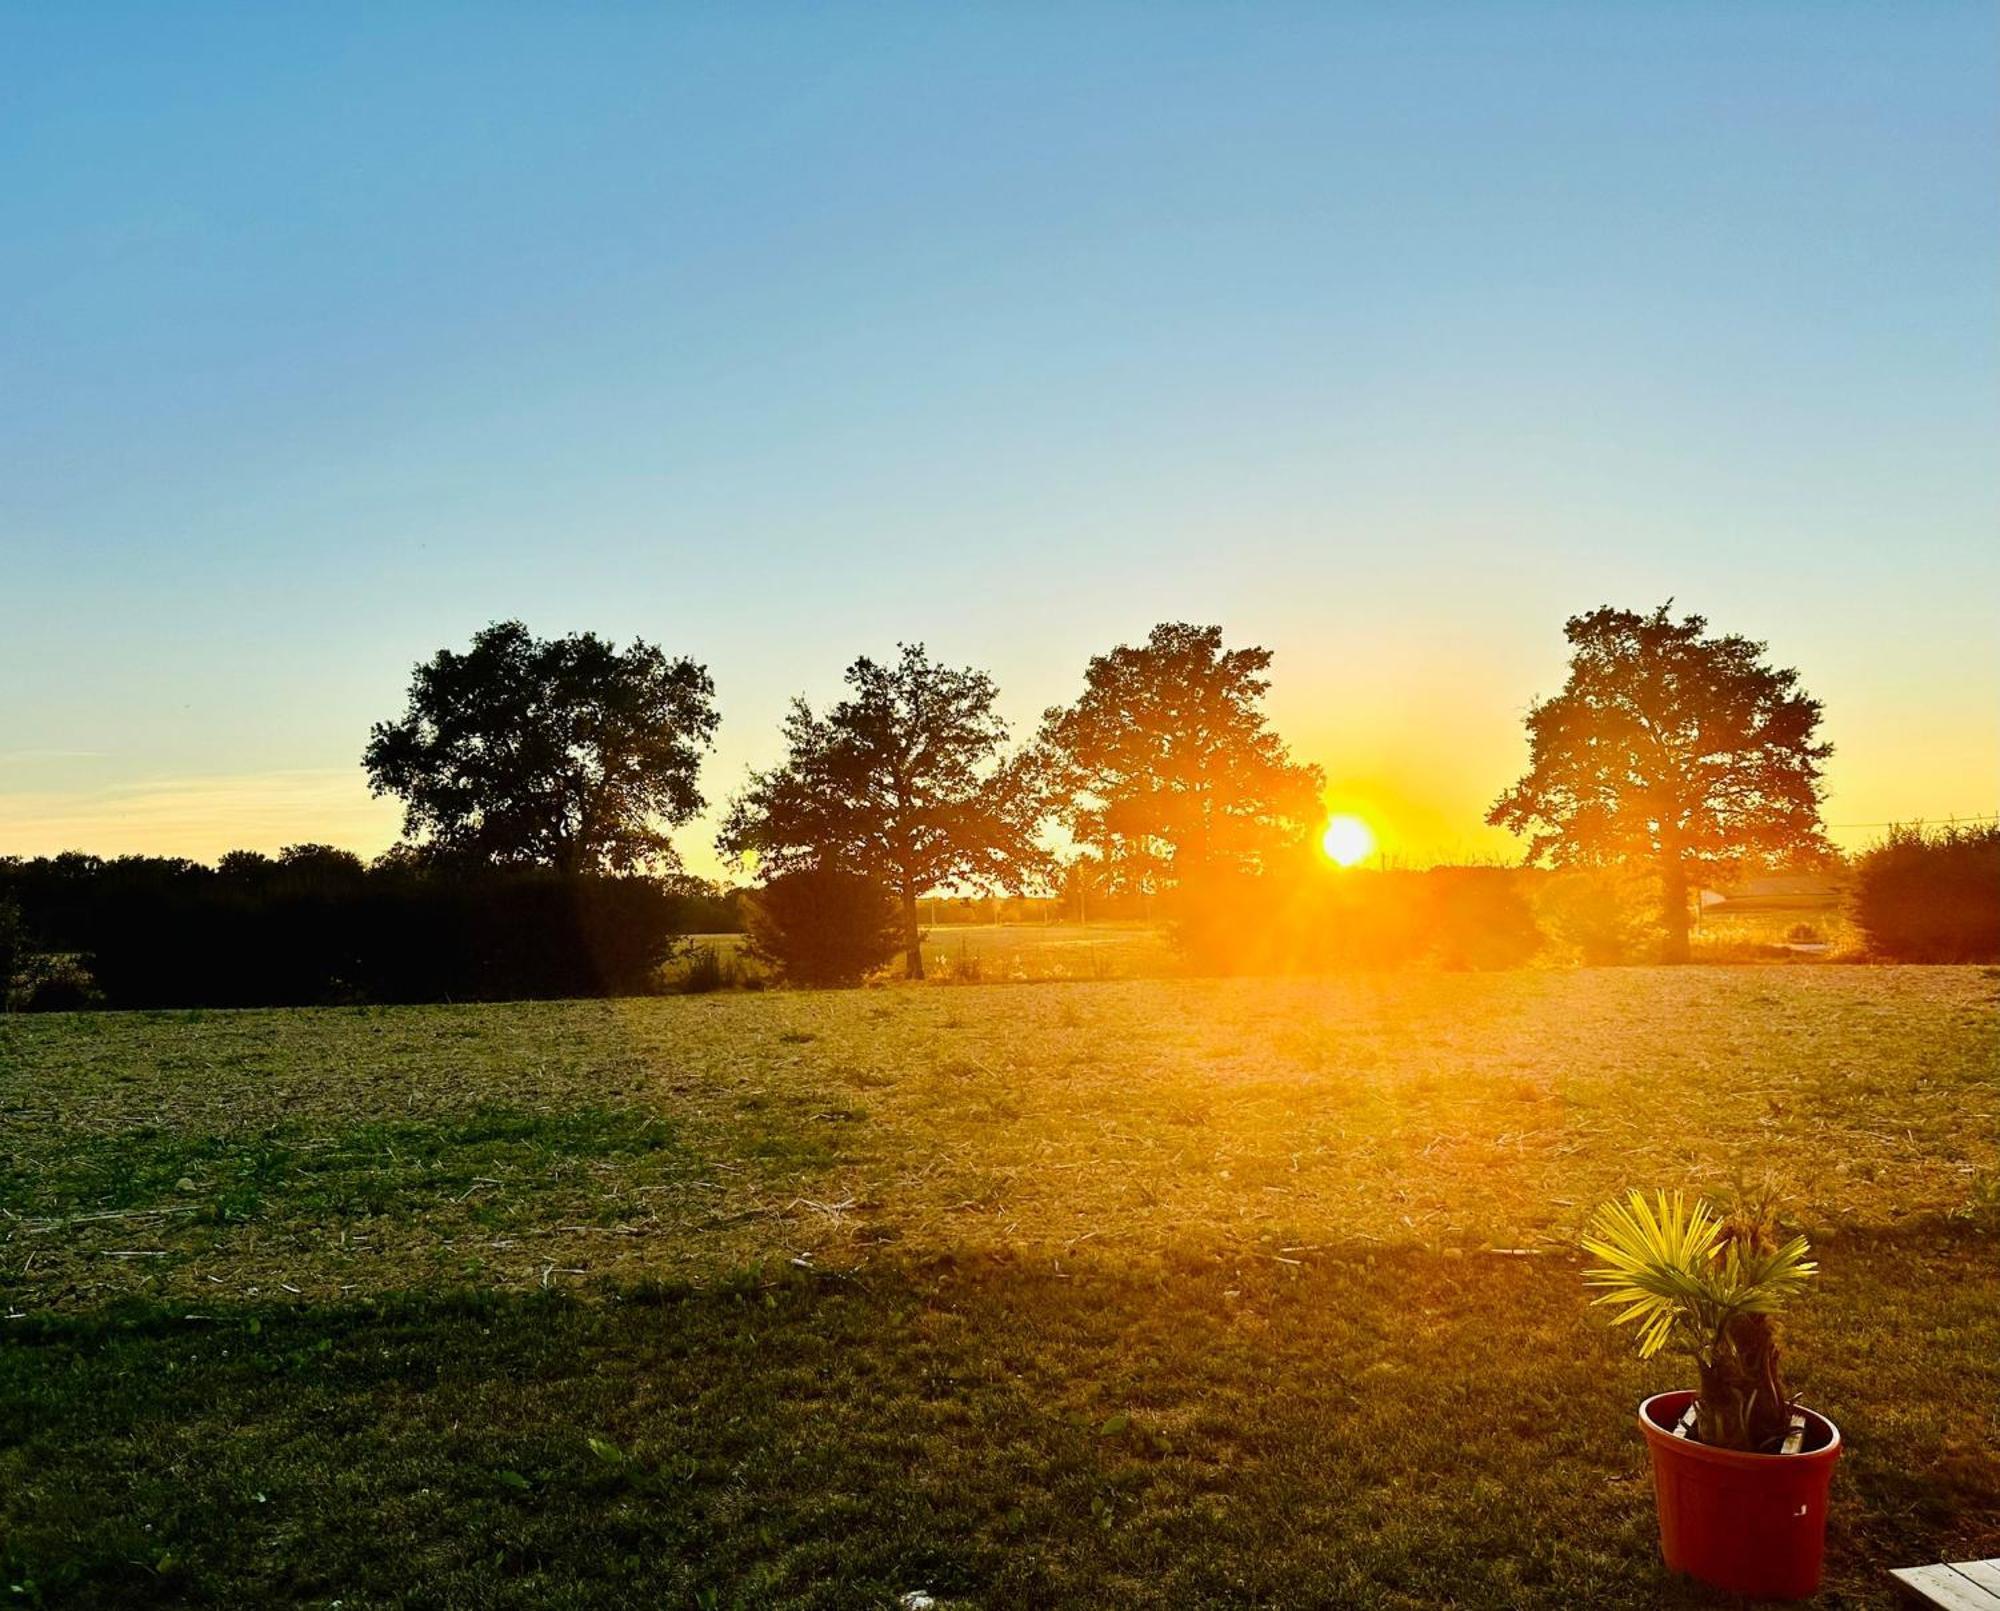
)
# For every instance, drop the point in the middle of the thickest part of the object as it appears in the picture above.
(1386, 336)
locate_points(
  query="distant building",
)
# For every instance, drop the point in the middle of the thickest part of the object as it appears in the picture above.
(1779, 892)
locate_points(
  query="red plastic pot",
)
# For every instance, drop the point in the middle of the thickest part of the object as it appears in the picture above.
(1753, 1524)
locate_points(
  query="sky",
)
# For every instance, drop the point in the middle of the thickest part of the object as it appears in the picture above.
(1384, 336)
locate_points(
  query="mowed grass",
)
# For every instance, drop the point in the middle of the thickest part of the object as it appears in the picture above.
(1149, 1292)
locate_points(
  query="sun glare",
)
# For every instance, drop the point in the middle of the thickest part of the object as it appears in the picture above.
(1347, 840)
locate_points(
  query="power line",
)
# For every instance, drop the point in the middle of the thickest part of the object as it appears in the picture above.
(1901, 822)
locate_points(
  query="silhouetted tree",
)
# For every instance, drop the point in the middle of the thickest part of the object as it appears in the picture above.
(558, 752)
(903, 782)
(820, 926)
(244, 867)
(1081, 886)
(1168, 769)
(1670, 748)
(320, 864)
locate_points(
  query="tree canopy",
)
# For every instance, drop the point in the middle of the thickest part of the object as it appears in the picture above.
(904, 781)
(1669, 747)
(558, 752)
(1167, 767)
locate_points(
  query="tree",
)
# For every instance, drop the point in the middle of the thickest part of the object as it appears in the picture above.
(243, 867)
(1080, 886)
(320, 863)
(558, 752)
(1167, 765)
(903, 782)
(1671, 749)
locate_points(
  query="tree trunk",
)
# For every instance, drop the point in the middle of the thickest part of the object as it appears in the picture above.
(913, 939)
(1674, 908)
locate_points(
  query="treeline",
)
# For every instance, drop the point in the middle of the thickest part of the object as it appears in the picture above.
(314, 925)
(1669, 752)
(540, 780)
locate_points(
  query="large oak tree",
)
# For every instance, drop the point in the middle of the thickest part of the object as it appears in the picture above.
(1673, 749)
(560, 752)
(905, 781)
(1168, 768)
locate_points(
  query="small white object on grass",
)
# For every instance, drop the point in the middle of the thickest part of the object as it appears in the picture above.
(917, 1600)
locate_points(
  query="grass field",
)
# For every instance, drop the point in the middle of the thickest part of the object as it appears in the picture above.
(992, 953)
(1139, 1292)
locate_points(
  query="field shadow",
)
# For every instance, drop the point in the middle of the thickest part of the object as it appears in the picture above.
(1206, 1428)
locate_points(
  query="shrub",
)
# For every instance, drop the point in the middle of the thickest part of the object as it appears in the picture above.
(1931, 895)
(708, 970)
(56, 984)
(496, 936)
(1479, 917)
(823, 927)
(13, 946)
(315, 926)
(1599, 917)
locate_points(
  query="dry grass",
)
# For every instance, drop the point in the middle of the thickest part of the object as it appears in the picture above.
(1767, 934)
(988, 953)
(997, 952)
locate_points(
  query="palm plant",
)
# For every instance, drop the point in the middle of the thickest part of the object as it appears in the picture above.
(1712, 1287)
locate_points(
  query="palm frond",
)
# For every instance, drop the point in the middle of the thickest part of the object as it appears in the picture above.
(1667, 1266)
(1763, 1282)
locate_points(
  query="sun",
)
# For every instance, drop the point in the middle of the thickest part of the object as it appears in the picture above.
(1347, 840)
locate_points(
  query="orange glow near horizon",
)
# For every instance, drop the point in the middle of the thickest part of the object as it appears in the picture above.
(1347, 840)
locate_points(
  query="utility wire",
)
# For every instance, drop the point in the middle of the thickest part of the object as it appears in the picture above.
(1899, 822)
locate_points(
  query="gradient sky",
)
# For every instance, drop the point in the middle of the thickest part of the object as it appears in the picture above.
(1385, 336)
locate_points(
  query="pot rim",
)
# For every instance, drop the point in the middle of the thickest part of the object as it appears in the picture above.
(1660, 1437)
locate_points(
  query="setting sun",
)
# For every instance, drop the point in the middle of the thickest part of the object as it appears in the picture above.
(1347, 840)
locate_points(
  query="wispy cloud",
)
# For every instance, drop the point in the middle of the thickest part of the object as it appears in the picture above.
(199, 816)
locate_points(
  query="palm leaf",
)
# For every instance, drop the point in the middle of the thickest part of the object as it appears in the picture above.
(1666, 1266)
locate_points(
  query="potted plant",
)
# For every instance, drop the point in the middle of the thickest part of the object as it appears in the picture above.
(1740, 1469)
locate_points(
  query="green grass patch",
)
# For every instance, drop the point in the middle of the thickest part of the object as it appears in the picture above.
(364, 1169)
(1398, 1430)
(1199, 1293)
